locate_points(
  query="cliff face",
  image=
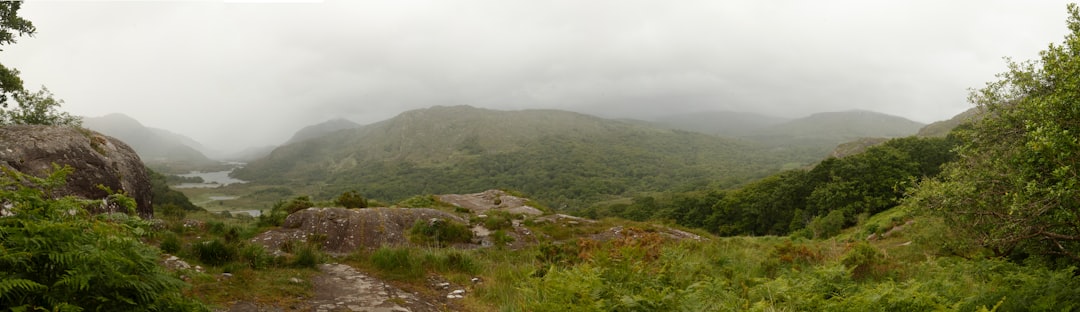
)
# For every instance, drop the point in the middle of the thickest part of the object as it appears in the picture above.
(97, 159)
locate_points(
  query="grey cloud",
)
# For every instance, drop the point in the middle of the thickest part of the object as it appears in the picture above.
(235, 75)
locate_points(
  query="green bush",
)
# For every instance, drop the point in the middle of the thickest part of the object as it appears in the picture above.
(307, 256)
(351, 199)
(255, 256)
(170, 243)
(420, 201)
(214, 252)
(439, 232)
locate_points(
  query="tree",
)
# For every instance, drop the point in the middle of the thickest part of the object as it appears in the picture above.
(37, 108)
(1015, 187)
(33, 108)
(11, 27)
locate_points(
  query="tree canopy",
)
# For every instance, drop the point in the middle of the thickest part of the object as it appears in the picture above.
(32, 108)
(11, 26)
(1014, 188)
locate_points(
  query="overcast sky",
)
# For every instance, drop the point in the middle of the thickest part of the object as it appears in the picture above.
(233, 74)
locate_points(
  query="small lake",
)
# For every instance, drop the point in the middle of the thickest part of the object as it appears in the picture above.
(210, 179)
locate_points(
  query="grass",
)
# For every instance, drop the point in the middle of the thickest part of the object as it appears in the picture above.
(567, 270)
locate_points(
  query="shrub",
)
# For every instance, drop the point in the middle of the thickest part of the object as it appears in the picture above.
(255, 256)
(439, 232)
(307, 256)
(170, 243)
(497, 220)
(55, 260)
(500, 238)
(214, 252)
(420, 201)
(351, 199)
(299, 203)
(864, 260)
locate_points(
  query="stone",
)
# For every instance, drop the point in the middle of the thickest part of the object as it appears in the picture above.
(97, 159)
(346, 230)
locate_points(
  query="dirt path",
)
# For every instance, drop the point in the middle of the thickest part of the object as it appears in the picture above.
(343, 288)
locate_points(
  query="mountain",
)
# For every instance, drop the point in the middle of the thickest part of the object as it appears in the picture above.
(729, 124)
(557, 156)
(160, 149)
(321, 129)
(942, 128)
(844, 126)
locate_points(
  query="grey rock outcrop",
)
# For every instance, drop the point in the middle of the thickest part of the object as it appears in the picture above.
(343, 230)
(97, 159)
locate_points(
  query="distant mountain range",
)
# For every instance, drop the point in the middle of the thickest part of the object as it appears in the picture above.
(555, 155)
(159, 149)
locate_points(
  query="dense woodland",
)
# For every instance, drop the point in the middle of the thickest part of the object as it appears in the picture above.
(837, 191)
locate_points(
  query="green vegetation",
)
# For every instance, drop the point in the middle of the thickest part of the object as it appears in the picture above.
(351, 199)
(560, 158)
(819, 201)
(11, 27)
(438, 232)
(57, 257)
(1016, 187)
(167, 201)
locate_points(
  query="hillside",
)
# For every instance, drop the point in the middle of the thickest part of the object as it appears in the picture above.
(728, 124)
(321, 129)
(843, 126)
(942, 128)
(557, 156)
(160, 149)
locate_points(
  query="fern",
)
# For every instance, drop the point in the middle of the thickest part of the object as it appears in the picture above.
(56, 257)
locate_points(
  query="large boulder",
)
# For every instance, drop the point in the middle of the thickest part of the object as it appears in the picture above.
(344, 230)
(97, 159)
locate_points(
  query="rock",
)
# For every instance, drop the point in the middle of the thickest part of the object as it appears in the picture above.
(476, 280)
(96, 158)
(345, 230)
(480, 203)
(295, 280)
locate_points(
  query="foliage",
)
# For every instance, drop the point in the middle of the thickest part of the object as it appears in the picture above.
(414, 263)
(11, 26)
(559, 166)
(298, 203)
(57, 257)
(439, 232)
(162, 196)
(1016, 186)
(37, 108)
(828, 197)
(214, 252)
(351, 199)
(422, 201)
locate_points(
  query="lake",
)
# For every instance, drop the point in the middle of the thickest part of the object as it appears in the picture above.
(210, 179)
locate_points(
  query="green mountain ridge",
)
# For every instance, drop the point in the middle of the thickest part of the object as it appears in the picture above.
(556, 156)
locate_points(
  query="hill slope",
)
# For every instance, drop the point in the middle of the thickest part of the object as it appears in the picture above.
(161, 149)
(556, 156)
(729, 124)
(321, 129)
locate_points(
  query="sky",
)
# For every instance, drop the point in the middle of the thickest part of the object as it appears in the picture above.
(236, 74)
